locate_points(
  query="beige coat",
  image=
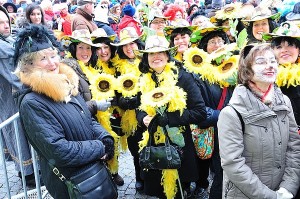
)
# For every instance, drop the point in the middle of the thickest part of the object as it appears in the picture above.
(266, 155)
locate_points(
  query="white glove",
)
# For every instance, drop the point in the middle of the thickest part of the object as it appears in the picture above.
(103, 105)
(282, 193)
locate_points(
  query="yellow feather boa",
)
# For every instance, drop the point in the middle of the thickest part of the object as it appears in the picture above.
(126, 67)
(103, 116)
(167, 81)
(103, 68)
(288, 75)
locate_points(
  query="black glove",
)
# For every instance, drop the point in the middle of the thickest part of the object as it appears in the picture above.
(109, 147)
(126, 103)
(114, 101)
(162, 120)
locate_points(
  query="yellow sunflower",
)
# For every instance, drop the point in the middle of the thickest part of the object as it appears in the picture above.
(226, 73)
(127, 85)
(230, 11)
(156, 98)
(195, 58)
(102, 86)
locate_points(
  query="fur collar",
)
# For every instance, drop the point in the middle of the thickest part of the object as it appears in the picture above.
(58, 87)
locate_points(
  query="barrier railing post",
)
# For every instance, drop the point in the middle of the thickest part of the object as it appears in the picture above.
(36, 172)
(20, 156)
(4, 165)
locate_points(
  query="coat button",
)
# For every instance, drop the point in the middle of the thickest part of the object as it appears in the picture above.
(279, 143)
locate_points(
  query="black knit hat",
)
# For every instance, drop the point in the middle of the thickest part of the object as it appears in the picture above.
(32, 39)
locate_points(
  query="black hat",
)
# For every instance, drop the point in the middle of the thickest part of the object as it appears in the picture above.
(10, 4)
(32, 39)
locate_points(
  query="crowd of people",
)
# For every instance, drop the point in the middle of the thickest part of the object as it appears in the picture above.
(91, 79)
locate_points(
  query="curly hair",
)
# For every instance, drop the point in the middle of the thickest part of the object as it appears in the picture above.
(172, 10)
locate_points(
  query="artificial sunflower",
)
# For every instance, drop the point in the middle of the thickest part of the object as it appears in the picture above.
(225, 74)
(102, 86)
(127, 85)
(230, 11)
(288, 75)
(156, 98)
(195, 58)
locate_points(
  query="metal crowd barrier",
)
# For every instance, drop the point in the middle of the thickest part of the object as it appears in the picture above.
(39, 192)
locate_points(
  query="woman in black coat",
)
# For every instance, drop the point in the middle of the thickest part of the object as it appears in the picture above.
(56, 119)
(162, 74)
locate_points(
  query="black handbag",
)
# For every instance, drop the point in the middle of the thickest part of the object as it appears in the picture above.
(160, 157)
(94, 181)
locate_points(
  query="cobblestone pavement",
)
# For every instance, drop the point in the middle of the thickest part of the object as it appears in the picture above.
(126, 171)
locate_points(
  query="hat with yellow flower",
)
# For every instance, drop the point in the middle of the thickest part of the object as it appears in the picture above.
(78, 36)
(229, 11)
(286, 29)
(261, 12)
(126, 36)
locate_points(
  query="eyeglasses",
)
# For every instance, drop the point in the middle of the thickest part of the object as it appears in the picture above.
(158, 22)
(212, 42)
(263, 61)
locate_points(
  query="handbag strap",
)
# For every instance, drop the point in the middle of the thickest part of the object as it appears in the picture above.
(222, 98)
(57, 172)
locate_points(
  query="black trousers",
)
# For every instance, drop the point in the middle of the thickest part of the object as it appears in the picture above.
(133, 147)
(216, 188)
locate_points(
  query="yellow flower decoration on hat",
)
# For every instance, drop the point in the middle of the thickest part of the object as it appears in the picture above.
(230, 11)
(195, 59)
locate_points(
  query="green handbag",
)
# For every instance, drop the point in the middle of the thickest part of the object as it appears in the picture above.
(165, 156)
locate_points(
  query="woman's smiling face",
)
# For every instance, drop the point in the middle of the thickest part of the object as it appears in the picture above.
(260, 27)
(83, 52)
(286, 53)
(157, 61)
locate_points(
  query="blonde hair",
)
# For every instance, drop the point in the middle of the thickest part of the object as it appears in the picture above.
(25, 62)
